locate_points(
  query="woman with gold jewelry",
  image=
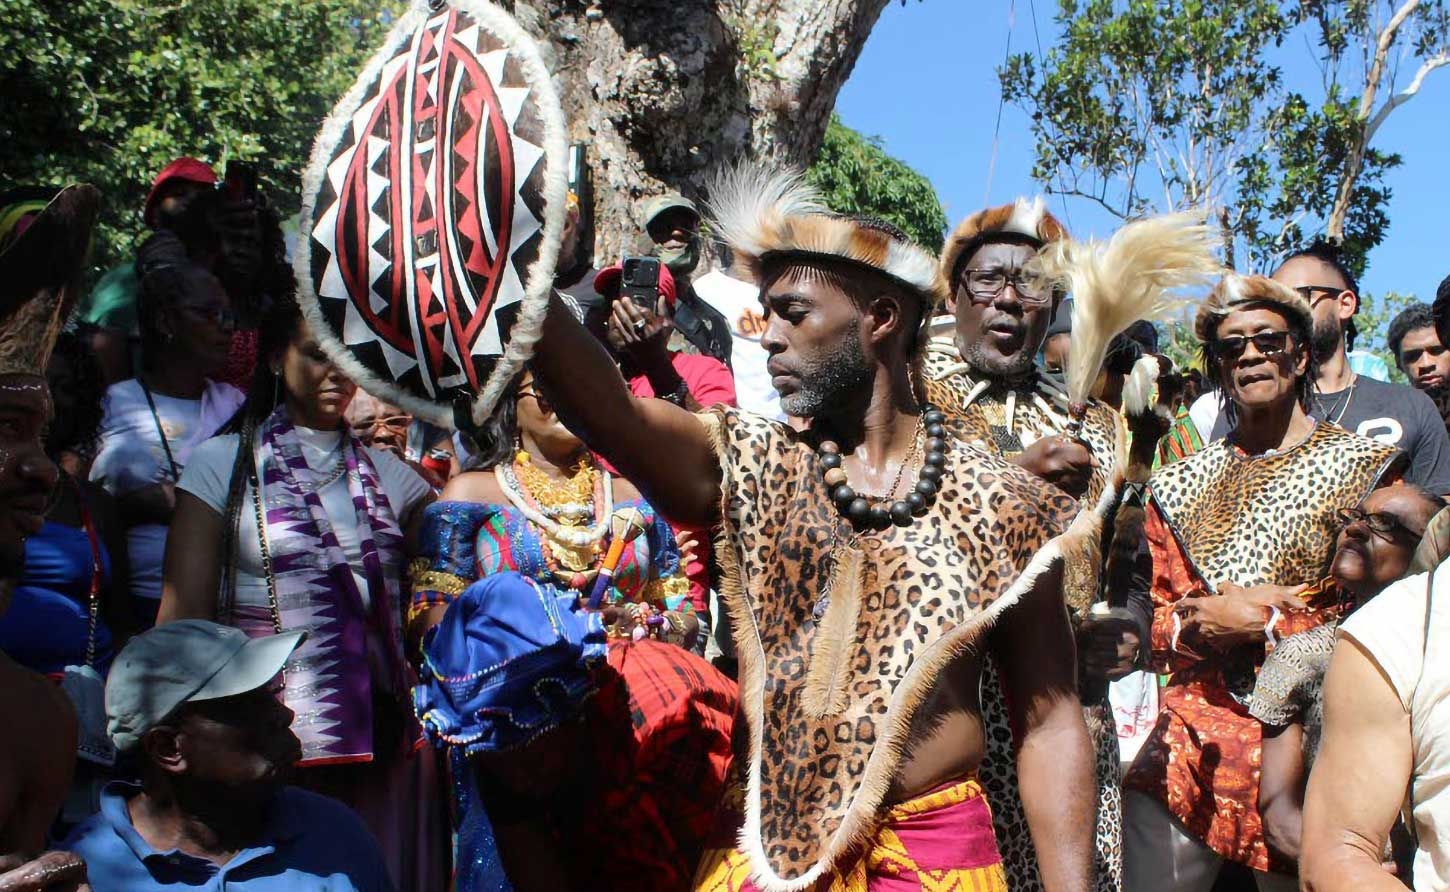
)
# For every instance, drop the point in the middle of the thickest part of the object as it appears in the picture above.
(537, 502)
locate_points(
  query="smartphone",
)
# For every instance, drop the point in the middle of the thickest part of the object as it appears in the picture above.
(641, 281)
(240, 182)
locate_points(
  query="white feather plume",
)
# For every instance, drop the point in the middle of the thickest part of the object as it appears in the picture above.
(749, 203)
(1128, 278)
(1138, 390)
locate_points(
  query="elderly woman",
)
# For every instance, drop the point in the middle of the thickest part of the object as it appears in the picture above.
(1241, 535)
(1373, 550)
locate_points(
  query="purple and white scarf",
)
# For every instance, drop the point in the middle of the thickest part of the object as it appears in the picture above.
(350, 648)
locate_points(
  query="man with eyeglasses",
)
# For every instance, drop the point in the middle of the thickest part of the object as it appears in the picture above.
(1376, 543)
(1393, 414)
(382, 425)
(984, 375)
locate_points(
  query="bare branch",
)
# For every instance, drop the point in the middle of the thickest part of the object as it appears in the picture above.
(1406, 94)
(1120, 213)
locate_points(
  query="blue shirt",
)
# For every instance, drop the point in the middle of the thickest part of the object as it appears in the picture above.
(310, 844)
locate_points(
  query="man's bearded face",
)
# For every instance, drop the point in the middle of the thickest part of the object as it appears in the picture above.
(815, 337)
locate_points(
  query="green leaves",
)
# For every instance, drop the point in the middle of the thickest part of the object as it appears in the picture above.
(1153, 106)
(109, 91)
(856, 176)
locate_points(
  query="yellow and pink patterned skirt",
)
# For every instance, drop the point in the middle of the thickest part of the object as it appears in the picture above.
(940, 841)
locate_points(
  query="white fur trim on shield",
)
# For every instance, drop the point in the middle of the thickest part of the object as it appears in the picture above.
(537, 288)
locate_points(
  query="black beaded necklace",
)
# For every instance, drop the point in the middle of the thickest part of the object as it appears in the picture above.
(857, 507)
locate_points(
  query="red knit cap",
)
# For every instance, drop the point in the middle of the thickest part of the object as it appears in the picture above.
(187, 169)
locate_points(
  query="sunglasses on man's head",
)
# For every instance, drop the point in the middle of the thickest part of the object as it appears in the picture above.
(1316, 293)
(1268, 343)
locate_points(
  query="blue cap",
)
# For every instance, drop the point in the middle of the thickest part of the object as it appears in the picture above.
(510, 661)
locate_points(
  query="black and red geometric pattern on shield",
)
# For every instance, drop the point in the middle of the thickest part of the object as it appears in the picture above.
(430, 213)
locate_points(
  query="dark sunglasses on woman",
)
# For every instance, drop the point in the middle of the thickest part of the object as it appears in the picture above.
(1268, 343)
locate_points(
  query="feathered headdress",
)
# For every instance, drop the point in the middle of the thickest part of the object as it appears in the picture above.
(1116, 283)
(1234, 291)
(761, 214)
(1029, 219)
(44, 240)
(434, 206)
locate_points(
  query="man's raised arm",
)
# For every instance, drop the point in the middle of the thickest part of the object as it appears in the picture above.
(657, 446)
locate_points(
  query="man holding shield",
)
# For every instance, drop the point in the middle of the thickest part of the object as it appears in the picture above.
(869, 559)
(860, 597)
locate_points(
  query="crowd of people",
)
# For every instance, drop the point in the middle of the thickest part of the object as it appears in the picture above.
(800, 568)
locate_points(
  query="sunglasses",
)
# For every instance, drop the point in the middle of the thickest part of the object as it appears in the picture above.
(1268, 343)
(1383, 525)
(544, 405)
(390, 421)
(986, 285)
(1316, 293)
(222, 317)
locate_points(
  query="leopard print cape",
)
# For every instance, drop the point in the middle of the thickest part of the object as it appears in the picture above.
(829, 703)
(1270, 518)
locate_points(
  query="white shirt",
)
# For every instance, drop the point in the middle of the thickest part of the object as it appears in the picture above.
(739, 303)
(130, 456)
(210, 472)
(1392, 630)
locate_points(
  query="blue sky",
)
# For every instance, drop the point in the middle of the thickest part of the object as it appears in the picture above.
(926, 83)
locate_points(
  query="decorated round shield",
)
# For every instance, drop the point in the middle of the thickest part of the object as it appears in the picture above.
(434, 201)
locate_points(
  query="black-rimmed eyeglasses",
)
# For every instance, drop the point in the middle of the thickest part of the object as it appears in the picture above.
(986, 285)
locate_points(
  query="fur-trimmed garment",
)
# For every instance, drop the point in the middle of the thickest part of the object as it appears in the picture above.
(1221, 516)
(979, 415)
(829, 717)
(1268, 518)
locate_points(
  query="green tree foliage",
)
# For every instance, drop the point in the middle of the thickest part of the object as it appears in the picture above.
(1373, 323)
(856, 176)
(109, 91)
(1154, 105)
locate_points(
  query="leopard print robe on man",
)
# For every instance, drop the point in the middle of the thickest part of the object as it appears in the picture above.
(978, 415)
(829, 716)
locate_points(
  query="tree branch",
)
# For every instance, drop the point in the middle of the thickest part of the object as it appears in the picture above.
(1078, 193)
(1406, 94)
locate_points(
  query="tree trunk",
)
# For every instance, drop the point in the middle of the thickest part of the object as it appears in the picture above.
(661, 93)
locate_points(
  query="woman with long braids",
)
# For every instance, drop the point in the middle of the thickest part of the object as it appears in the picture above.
(537, 502)
(288, 523)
